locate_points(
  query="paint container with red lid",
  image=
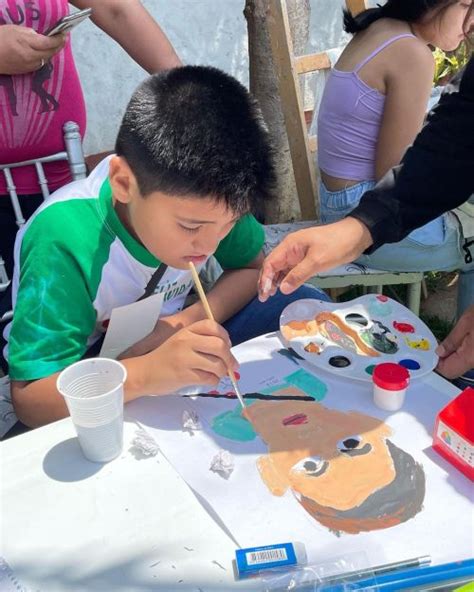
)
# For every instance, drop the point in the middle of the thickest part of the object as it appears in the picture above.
(390, 384)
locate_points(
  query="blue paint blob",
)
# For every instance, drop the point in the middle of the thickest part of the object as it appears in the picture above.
(410, 364)
(379, 307)
(307, 383)
(233, 426)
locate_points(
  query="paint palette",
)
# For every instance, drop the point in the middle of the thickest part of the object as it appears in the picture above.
(350, 338)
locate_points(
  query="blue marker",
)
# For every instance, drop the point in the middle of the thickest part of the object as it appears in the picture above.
(253, 560)
(410, 578)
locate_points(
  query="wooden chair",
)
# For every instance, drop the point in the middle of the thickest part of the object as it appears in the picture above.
(303, 151)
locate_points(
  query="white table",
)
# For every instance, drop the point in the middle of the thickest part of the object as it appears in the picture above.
(130, 525)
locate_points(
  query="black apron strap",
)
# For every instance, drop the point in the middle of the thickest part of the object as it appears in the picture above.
(154, 280)
(95, 348)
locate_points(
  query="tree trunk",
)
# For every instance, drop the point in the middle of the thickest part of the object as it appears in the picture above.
(264, 86)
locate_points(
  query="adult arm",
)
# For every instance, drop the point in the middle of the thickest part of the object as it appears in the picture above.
(130, 24)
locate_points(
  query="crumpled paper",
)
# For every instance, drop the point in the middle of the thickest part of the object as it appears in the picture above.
(145, 444)
(191, 421)
(223, 464)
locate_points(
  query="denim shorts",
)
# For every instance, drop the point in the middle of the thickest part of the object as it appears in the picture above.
(436, 246)
(335, 205)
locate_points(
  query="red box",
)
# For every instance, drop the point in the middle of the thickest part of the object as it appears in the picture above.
(453, 436)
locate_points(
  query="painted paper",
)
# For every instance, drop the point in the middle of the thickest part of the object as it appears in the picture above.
(314, 460)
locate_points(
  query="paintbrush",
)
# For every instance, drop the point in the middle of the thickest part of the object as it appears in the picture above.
(207, 308)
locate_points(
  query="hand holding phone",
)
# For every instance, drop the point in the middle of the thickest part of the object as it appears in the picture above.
(23, 51)
(68, 22)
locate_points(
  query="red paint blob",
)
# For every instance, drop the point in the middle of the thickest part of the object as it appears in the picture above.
(297, 419)
(382, 298)
(403, 327)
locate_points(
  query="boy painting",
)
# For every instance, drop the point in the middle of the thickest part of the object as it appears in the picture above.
(192, 161)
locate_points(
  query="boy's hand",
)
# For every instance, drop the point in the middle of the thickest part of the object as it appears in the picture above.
(23, 50)
(164, 328)
(198, 354)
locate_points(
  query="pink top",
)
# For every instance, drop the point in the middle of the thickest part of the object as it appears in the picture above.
(349, 123)
(34, 106)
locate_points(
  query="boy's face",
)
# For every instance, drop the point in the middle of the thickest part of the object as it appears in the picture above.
(176, 230)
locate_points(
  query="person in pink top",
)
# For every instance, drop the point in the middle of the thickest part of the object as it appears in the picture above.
(40, 89)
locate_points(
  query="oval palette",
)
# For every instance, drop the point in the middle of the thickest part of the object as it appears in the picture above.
(350, 338)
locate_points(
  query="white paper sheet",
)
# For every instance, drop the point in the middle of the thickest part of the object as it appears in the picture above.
(253, 516)
(129, 324)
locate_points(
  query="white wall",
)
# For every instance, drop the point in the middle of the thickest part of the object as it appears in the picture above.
(202, 31)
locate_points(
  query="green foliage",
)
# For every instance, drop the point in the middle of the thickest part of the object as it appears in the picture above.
(439, 327)
(448, 63)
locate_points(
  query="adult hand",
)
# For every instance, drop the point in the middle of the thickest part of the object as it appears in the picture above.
(23, 50)
(306, 252)
(198, 354)
(456, 352)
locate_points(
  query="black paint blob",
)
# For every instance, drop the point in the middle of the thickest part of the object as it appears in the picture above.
(357, 319)
(339, 362)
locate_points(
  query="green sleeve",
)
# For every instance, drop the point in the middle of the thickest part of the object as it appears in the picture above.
(242, 245)
(54, 314)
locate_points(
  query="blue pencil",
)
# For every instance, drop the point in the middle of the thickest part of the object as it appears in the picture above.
(445, 585)
(427, 579)
(409, 578)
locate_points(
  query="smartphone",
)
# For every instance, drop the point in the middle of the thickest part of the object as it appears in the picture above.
(68, 22)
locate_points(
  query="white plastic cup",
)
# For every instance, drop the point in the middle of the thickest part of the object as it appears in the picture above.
(93, 391)
(390, 385)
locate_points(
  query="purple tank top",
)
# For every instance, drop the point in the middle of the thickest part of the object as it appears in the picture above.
(349, 120)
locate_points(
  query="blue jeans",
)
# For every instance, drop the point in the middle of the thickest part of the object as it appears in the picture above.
(258, 318)
(467, 379)
(436, 246)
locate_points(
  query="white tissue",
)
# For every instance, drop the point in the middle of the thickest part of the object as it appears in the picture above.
(191, 421)
(223, 463)
(145, 443)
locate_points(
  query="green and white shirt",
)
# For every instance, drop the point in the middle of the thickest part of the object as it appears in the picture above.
(75, 262)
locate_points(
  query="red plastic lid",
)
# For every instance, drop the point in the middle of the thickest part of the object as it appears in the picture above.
(391, 377)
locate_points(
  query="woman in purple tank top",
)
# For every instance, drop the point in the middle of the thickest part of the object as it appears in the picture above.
(374, 105)
(376, 97)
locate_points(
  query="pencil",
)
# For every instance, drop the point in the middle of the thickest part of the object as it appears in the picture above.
(210, 316)
(378, 570)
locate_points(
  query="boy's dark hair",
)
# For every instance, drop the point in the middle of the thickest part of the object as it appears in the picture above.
(410, 11)
(195, 130)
